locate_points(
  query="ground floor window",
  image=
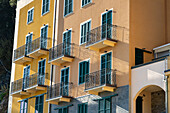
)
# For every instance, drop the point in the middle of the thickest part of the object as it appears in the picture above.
(39, 104)
(82, 108)
(24, 106)
(105, 105)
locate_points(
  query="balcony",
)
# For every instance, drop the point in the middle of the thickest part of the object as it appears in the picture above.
(60, 92)
(61, 53)
(101, 37)
(100, 81)
(35, 82)
(17, 88)
(38, 47)
(20, 57)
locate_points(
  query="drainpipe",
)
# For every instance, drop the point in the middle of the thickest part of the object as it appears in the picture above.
(166, 92)
(53, 44)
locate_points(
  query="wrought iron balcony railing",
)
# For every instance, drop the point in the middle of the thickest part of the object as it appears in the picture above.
(19, 52)
(35, 80)
(17, 86)
(59, 90)
(106, 31)
(39, 43)
(102, 77)
(63, 49)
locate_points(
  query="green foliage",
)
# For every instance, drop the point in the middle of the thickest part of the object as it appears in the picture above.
(7, 15)
(2, 95)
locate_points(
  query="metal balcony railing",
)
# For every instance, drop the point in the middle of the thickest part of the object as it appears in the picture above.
(63, 49)
(19, 52)
(16, 86)
(102, 77)
(39, 43)
(35, 79)
(60, 89)
(106, 31)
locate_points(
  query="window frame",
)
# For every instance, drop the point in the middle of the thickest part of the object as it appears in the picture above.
(86, 3)
(43, 13)
(68, 8)
(84, 106)
(24, 106)
(87, 61)
(62, 109)
(39, 103)
(28, 22)
(104, 106)
(82, 24)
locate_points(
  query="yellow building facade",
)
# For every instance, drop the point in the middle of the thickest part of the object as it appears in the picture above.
(75, 56)
(32, 70)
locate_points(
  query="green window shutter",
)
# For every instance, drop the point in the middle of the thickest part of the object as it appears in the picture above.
(45, 6)
(86, 27)
(85, 2)
(68, 7)
(39, 104)
(83, 71)
(139, 56)
(104, 106)
(82, 108)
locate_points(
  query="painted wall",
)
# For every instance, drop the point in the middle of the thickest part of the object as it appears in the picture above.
(120, 59)
(22, 31)
(144, 76)
(120, 103)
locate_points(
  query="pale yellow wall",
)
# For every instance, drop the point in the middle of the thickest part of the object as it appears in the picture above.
(24, 29)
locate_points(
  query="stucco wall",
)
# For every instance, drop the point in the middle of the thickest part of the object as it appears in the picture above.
(144, 76)
(120, 103)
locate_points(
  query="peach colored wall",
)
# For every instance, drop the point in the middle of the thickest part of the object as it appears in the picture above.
(120, 58)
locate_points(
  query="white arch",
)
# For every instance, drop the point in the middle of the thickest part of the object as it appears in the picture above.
(144, 76)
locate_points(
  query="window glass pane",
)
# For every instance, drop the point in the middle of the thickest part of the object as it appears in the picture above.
(108, 103)
(101, 103)
(60, 110)
(41, 99)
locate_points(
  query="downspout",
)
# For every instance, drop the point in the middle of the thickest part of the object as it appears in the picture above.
(166, 92)
(53, 44)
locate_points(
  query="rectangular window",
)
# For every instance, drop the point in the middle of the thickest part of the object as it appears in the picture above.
(41, 72)
(107, 25)
(67, 43)
(39, 104)
(30, 15)
(68, 7)
(44, 34)
(24, 106)
(63, 110)
(86, 27)
(85, 2)
(82, 108)
(138, 56)
(105, 106)
(28, 43)
(45, 6)
(83, 71)
(25, 77)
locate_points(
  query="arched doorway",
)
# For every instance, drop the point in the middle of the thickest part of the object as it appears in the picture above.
(150, 99)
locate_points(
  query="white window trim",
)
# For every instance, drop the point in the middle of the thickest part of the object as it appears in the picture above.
(79, 67)
(32, 15)
(70, 12)
(29, 35)
(86, 4)
(42, 14)
(67, 31)
(104, 13)
(89, 20)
